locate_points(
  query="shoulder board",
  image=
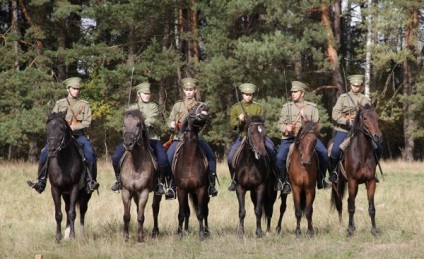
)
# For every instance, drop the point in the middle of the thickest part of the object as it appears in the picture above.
(257, 103)
(234, 105)
(312, 104)
(61, 100)
(343, 95)
(82, 100)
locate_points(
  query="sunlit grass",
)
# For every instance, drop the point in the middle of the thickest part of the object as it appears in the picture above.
(27, 224)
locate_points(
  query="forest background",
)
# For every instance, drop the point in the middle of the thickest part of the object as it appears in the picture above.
(115, 45)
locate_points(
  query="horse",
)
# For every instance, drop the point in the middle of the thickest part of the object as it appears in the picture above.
(66, 174)
(303, 171)
(138, 168)
(252, 172)
(190, 171)
(358, 165)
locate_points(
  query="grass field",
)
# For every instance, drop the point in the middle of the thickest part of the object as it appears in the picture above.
(27, 225)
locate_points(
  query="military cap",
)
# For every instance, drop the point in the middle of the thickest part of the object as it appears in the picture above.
(189, 82)
(247, 88)
(74, 82)
(298, 86)
(356, 79)
(143, 88)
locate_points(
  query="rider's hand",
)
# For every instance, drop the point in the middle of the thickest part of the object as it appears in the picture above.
(241, 117)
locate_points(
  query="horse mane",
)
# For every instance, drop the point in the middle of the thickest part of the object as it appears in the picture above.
(138, 114)
(305, 129)
(356, 120)
(58, 116)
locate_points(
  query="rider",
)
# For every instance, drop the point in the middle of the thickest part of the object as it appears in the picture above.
(78, 116)
(238, 113)
(290, 123)
(343, 114)
(176, 117)
(150, 111)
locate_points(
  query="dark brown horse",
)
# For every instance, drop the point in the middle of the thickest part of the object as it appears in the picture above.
(253, 173)
(358, 165)
(190, 171)
(137, 173)
(65, 170)
(303, 171)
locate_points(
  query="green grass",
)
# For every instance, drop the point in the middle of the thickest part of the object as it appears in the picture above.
(27, 224)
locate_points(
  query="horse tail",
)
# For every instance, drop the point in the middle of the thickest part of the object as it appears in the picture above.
(338, 194)
(303, 201)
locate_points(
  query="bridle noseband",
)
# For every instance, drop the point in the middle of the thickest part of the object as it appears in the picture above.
(62, 139)
(361, 127)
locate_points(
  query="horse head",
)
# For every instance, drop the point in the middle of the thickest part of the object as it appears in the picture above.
(306, 140)
(58, 132)
(134, 129)
(367, 121)
(256, 135)
(196, 119)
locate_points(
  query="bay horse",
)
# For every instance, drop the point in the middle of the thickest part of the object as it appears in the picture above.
(66, 174)
(138, 173)
(358, 165)
(303, 171)
(190, 171)
(253, 172)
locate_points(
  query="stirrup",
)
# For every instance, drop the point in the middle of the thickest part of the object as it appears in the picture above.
(334, 177)
(278, 185)
(159, 189)
(212, 191)
(286, 188)
(232, 186)
(38, 185)
(116, 187)
(92, 186)
(170, 194)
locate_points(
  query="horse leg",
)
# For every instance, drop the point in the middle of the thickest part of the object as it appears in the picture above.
(206, 215)
(258, 209)
(155, 208)
(71, 213)
(126, 199)
(67, 200)
(371, 207)
(143, 197)
(283, 208)
(335, 195)
(353, 191)
(83, 201)
(241, 193)
(186, 214)
(200, 212)
(297, 208)
(182, 201)
(309, 210)
(58, 213)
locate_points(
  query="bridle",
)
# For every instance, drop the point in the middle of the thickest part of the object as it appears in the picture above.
(135, 137)
(63, 143)
(199, 115)
(249, 139)
(362, 127)
(302, 135)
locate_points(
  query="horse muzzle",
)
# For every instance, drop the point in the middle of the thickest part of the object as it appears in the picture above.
(129, 146)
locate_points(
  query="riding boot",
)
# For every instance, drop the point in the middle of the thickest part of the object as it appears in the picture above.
(232, 186)
(171, 192)
(333, 162)
(212, 190)
(321, 183)
(91, 184)
(159, 187)
(279, 184)
(286, 185)
(41, 182)
(117, 186)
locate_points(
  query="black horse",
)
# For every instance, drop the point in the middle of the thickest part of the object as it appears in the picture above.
(66, 173)
(190, 171)
(358, 165)
(253, 173)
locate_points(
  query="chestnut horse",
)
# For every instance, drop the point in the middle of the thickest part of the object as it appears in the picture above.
(253, 173)
(303, 171)
(190, 171)
(138, 173)
(358, 165)
(66, 174)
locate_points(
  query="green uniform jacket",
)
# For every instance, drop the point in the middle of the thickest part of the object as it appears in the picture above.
(178, 113)
(291, 114)
(150, 111)
(78, 113)
(252, 109)
(345, 108)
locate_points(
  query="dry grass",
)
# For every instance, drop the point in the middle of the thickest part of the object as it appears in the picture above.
(27, 225)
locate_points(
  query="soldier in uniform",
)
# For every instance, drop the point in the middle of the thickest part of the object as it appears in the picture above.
(150, 111)
(237, 122)
(289, 123)
(78, 117)
(343, 114)
(176, 117)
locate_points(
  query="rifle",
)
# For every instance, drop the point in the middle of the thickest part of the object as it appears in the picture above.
(286, 133)
(347, 92)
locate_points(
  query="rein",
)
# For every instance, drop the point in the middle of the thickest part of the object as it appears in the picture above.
(249, 140)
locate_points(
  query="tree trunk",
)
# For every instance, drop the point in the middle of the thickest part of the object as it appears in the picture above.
(368, 48)
(33, 149)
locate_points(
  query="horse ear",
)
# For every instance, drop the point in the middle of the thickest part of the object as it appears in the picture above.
(49, 112)
(263, 117)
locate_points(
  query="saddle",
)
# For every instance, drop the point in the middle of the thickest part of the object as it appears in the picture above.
(177, 152)
(152, 157)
